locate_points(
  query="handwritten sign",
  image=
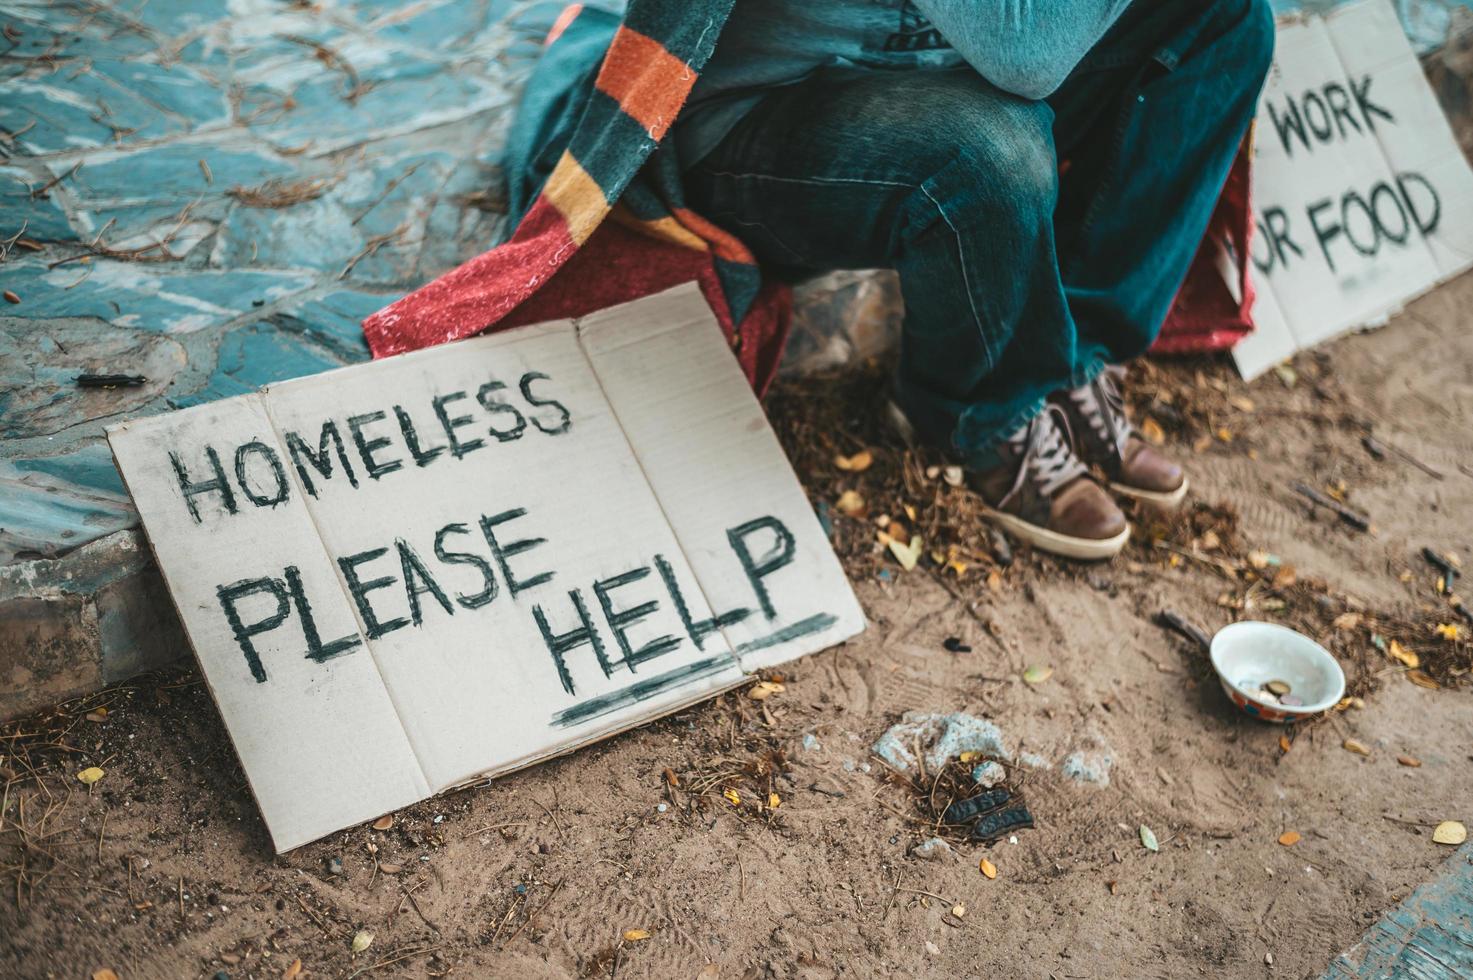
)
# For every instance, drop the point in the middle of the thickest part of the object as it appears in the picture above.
(405, 575)
(1362, 198)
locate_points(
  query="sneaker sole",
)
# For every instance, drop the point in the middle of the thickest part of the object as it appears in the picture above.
(1166, 500)
(1065, 545)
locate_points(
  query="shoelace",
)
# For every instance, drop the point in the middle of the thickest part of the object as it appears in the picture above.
(1103, 407)
(1047, 455)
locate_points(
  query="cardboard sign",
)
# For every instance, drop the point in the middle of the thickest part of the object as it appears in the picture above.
(1362, 198)
(404, 575)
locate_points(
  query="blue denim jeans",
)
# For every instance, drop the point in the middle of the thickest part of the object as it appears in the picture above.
(1034, 241)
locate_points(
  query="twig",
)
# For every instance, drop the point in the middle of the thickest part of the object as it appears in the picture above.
(1358, 521)
(1379, 448)
(540, 909)
(41, 191)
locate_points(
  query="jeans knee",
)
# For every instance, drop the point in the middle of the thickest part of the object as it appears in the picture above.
(1006, 162)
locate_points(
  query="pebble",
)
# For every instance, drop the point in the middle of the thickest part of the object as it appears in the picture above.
(810, 743)
(989, 774)
(932, 948)
(932, 850)
(661, 807)
(1279, 687)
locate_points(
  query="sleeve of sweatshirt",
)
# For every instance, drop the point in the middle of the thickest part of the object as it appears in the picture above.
(1022, 46)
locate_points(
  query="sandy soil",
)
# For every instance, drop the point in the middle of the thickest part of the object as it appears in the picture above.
(163, 869)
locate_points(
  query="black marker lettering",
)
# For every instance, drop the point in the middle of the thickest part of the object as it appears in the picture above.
(320, 460)
(1324, 235)
(218, 484)
(698, 631)
(1424, 225)
(563, 423)
(422, 457)
(317, 651)
(278, 472)
(418, 581)
(487, 593)
(359, 590)
(621, 620)
(504, 552)
(367, 447)
(229, 595)
(1362, 93)
(559, 644)
(486, 395)
(457, 447)
(779, 555)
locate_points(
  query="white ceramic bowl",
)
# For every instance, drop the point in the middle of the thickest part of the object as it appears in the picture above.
(1248, 655)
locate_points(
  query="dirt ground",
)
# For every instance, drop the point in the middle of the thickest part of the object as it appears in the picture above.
(164, 869)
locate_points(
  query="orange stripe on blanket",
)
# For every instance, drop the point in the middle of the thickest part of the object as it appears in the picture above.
(722, 242)
(577, 197)
(665, 229)
(648, 82)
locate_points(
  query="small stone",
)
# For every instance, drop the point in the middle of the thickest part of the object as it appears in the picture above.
(1279, 688)
(661, 807)
(11, 297)
(932, 948)
(932, 850)
(989, 774)
(1268, 958)
(953, 644)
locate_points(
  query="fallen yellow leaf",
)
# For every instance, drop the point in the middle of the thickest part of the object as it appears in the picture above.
(1421, 679)
(1448, 631)
(733, 797)
(1359, 748)
(1450, 832)
(104, 974)
(1346, 621)
(1407, 657)
(97, 714)
(1037, 674)
(1410, 761)
(857, 463)
(362, 939)
(291, 972)
(987, 868)
(774, 801)
(90, 775)
(1289, 838)
(959, 910)
(1152, 431)
(850, 503)
(636, 935)
(907, 555)
(762, 690)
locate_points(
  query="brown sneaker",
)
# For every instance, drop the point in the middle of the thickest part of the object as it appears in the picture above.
(1043, 495)
(1104, 437)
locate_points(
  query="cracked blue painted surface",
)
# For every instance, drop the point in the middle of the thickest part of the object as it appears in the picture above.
(215, 194)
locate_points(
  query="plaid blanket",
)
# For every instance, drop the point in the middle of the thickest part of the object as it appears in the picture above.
(595, 200)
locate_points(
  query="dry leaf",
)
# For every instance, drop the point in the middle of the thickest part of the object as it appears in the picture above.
(987, 868)
(1284, 743)
(1407, 657)
(97, 714)
(762, 690)
(291, 972)
(104, 974)
(636, 935)
(1148, 839)
(1421, 679)
(90, 775)
(362, 939)
(1152, 431)
(1240, 403)
(1224, 435)
(1289, 838)
(857, 463)
(954, 476)
(850, 503)
(1448, 631)
(384, 822)
(774, 801)
(1450, 832)
(733, 797)
(907, 555)
(1410, 761)
(670, 777)
(1359, 748)
(1346, 621)
(1199, 446)
(1037, 674)
(391, 869)
(1113, 886)
(959, 910)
